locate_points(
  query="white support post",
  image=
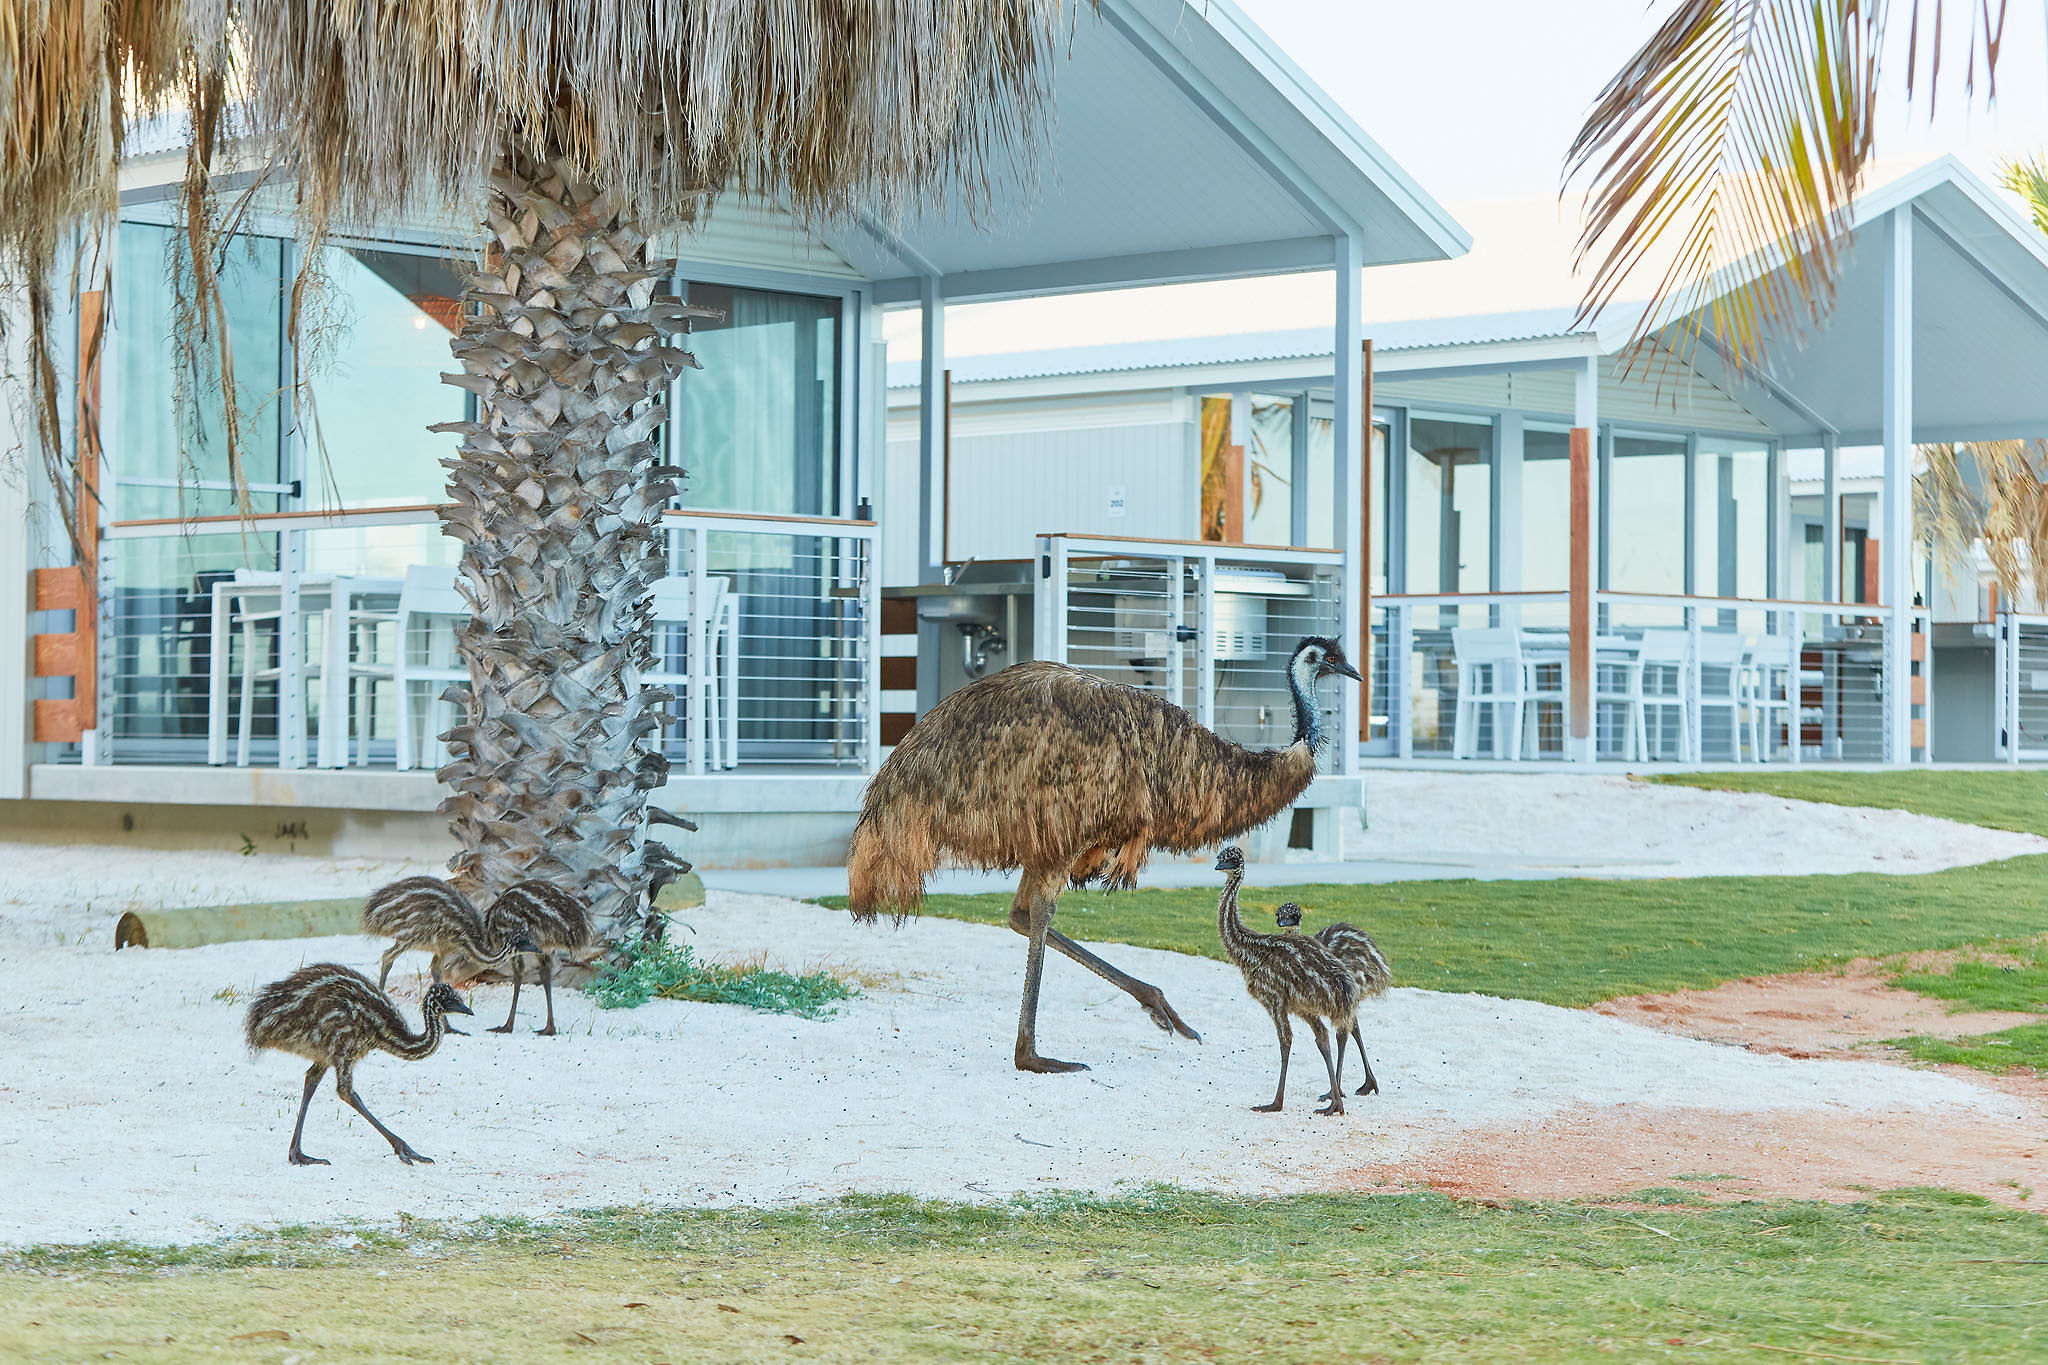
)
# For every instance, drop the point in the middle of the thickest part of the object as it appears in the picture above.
(1349, 470)
(291, 653)
(1896, 552)
(871, 665)
(1831, 521)
(1176, 618)
(1049, 600)
(1205, 644)
(931, 481)
(2009, 714)
(1400, 669)
(700, 628)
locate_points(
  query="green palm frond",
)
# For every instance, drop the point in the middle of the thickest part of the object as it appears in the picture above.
(2028, 179)
(1722, 158)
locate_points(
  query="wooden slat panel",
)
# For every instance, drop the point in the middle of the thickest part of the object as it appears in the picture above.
(59, 589)
(895, 725)
(1919, 647)
(899, 616)
(1919, 734)
(56, 656)
(57, 722)
(899, 674)
(1919, 690)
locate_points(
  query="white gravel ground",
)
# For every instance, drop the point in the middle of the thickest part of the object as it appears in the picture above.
(1601, 825)
(132, 1109)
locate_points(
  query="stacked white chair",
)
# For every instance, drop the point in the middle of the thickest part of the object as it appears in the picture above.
(1491, 673)
(429, 609)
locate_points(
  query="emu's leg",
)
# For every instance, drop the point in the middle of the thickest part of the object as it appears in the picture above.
(1336, 1104)
(1370, 1085)
(547, 986)
(1149, 997)
(390, 956)
(1031, 915)
(512, 1013)
(295, 1156)
(344, 1082)
(1284, 1027)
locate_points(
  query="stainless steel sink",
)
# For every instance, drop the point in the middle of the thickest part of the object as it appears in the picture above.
(967, 609)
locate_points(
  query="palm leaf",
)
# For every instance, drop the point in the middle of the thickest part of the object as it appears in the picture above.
(1722, 158)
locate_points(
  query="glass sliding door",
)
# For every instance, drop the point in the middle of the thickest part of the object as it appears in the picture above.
(1546, 510)
(1731, 519)
(1449, 512)
(1645, 510)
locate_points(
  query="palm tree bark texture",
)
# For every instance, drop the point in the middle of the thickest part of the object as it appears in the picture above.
(557, 499)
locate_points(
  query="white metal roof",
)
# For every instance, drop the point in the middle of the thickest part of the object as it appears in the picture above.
(1186, 146)
(1980, 322)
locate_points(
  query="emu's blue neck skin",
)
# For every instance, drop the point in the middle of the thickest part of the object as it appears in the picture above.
(1308, 721)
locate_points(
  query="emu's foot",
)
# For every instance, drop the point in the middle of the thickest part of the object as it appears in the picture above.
(1335, 1106)
(409, 1156)
(505, 1027)
(1371, 1087)
(1272, 1108)
(1164, 1015)
(547, 1032)
(1046, 1066)
(298, 1158)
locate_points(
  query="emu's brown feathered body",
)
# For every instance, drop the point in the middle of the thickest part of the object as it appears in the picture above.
(1043, 766)
(553, 921)
(1293, 977)
(1072, 779)
(433, 916)
(1356, 950)
(333, 1016)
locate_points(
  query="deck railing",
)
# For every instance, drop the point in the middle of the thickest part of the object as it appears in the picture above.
(1676, 679)
(2020, 682)
(216, 635)
(1206, 625)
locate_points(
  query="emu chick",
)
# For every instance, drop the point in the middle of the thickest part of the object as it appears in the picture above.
(1292, 977)
(548, 920)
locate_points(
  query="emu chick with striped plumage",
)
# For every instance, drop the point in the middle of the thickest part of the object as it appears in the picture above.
(334, 1017)
(547, 920)
(1292, 976)
(1072, 779)
(1353, 947)
(429, 915)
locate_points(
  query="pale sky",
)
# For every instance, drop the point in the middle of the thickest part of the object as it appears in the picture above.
(1478, 100)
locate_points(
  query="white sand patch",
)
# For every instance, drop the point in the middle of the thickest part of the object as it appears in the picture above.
(132, 1109)
(1604, 825)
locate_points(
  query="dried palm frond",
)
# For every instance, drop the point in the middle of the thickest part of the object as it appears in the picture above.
(1989, 493)
(1724, 155)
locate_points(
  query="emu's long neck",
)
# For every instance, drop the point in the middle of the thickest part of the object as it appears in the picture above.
(1228, 925)
(486, 940)
(417, 1047)
(1308, 721)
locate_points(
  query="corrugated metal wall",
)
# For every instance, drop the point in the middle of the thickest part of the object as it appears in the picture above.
(1659, 390)
(754, 235)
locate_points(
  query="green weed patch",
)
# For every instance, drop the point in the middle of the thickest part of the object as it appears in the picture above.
(671, 971)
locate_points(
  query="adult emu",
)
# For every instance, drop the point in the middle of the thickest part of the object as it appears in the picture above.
(1073, 779)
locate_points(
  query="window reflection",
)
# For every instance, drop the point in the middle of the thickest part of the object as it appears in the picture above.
(1449, 505)
(758, 425)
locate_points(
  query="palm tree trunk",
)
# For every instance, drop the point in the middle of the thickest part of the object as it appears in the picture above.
(557, 500)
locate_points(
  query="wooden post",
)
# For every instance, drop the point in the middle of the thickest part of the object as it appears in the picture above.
(1233, 495)
(1581, 688)
(1365, 472)
(75, 653)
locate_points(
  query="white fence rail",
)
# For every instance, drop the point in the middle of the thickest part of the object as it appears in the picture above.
(1207, 626)
(2021, 679)
(217, 637)
(1676, 679)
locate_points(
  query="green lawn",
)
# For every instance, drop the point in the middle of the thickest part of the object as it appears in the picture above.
(2015, 977)
(2015, 799)
(2006, 1050)
(1913, 1275)
(1576, 942)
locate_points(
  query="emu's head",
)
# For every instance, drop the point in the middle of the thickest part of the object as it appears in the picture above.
(442, 999)
(1317, 657)
(1230, 859)
(1288, 916)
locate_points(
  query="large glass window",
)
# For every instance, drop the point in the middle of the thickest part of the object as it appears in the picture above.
(1546, 508)
(759, 424)
(374, 379)
(1449, 517)
(1731, 519)
(166, 469)
(1269, 472)
(1646, 515)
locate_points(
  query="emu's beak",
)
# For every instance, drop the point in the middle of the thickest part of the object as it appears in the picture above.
(1345, 669)
(460, 1006)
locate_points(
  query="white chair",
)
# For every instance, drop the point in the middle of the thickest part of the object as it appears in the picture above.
(1546, 655)
(707, 684)
(1772, 694)
(1491, 673)
(1722, 667)
(1618, 682)
(427, 601)
(1663, 691)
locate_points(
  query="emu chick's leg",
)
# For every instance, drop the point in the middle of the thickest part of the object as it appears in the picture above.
(344, 1082)
(1336, 1104)
(1284, 1027)
(390, 956)
(1149, 997)
(1343, 1037)
(1031, 915)
(547, 986)
(297, 1157)
(512, 1013)
(1370, 1085)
